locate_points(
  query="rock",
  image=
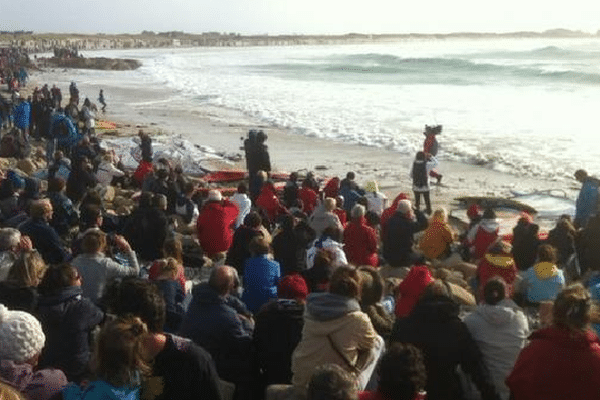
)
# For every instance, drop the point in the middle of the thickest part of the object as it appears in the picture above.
(26, 165)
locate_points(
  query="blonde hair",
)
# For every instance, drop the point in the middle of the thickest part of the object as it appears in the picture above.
(440, 215)
(168, 268)
(572, 308)
(27, 270)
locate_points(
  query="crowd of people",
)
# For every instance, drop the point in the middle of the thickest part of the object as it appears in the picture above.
(305, 289)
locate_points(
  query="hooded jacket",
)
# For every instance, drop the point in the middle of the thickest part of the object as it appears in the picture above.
(42, 384)
(481, 236)
(543, 282)
(215, 224)
(340, 318)
(100, 390)
(502, 265)
(500, 332)
(436, 239)
(268, 202)
(322, 219)
(435, 328)
(68, 319)
(388, 212)
(557, 364)
(360, 243)
(212, 323)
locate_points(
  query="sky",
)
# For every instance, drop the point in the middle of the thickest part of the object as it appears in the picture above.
(298, 17)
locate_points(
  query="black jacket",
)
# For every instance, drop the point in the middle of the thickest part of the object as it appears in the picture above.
(67, 319)
(434, 327)
(398, 240)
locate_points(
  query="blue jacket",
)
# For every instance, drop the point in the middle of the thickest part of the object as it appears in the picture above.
(100, 390)
(543, 288)
(213, 323)
(261, 277)
(587, 201)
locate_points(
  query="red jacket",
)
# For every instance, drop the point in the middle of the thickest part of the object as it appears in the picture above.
(143, 169)
(557, 364)
(309, 200)
(215, 226)
(502, 265)
(268, 202)
(341, 214)
(360, 243)
(332, 187)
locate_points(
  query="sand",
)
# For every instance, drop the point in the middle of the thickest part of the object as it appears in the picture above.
(222, 129)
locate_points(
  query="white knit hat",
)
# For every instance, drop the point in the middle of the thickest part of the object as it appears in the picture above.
(21, 335)
(214, 195)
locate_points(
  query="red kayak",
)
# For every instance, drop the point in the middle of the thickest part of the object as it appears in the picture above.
(238, 175)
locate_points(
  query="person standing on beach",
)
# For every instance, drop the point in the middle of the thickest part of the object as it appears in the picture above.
(422, 166)
(587, 201)
(101, 100)
(431, 146)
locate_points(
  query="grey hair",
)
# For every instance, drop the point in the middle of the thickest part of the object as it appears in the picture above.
(9, 238)
(358, 211)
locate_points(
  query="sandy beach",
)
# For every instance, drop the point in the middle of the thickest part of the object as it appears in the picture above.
(222, 129)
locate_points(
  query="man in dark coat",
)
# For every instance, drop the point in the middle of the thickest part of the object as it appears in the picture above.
(435, 328)
(220, 323)
(399, 235)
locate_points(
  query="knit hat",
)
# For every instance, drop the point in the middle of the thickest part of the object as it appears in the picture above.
(214, 195)
(411, 288)
(21, 335)
(404, 206)
(292, 287)
(371, 186)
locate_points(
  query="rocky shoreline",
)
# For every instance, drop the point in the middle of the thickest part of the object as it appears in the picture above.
(101, 63)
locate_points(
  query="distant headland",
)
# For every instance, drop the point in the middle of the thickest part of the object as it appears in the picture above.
(43, 42)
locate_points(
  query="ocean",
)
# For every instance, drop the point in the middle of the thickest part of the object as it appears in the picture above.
(520, 106)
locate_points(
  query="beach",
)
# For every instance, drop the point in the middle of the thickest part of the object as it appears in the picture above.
(221, 128)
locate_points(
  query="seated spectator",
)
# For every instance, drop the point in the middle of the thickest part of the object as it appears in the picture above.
(185, 207)
(221, 324)
(287, 246)
(482, 235)
(411, 288)
(563, 360)
(172, 248)
(261, 275)
(324, 217)
(96, 268)
(588, 245)
(331, 382)
(332, 187)
(388, 212)
(279, 329)
(402, 375)
(360, 240)
(21, 342)
(214, 226)
(562, 238)
(239, 251)
(68, 320)
(106, 171)
(544, 280)
(43, 237)
(268, 203)
(370, 301)
(64, 216)
(399, 237)
(147, 227)
(11, 245)
(80, 179)
(350, 192)
(437, 237)
(337, 331)
(120, 366)
(185, 370)
(308, 197)
(167, 271)
(243, 203)
(319, 276)
(290, 191)
(20, 289)
(376, 201)
(434, 327)
(500, 329)
(525, 242)
(497, 261)
(330, 241)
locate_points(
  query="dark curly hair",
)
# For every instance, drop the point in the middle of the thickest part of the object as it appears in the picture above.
(402, 372)
(139, 297)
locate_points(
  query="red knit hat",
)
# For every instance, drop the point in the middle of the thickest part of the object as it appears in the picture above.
(411, 288)
(292, 287)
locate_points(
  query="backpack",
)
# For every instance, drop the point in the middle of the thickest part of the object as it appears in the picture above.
(419, 174)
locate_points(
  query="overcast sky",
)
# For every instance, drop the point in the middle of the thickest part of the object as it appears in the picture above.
(298, 16)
